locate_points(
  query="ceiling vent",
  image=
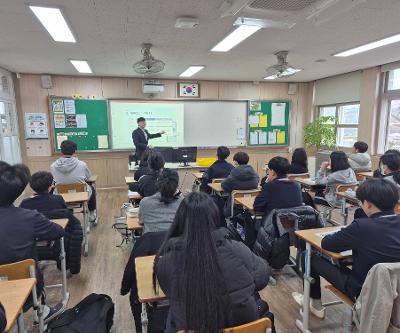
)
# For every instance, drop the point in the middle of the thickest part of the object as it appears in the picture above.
(281, 5)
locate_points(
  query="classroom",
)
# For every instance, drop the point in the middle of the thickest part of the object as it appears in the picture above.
(200, 166)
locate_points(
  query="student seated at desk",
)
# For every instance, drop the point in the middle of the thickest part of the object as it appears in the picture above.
(299, 163)
(146, 186)
(68, 169)
(278, 191)
(360, 160)
(143, 165)
(391, 168)
(157, 212)
(20, 228)
(3, 318)
(340, 173)
(379, 173)
(242, 177)
(219, 169)
(220, 287)
(373, 240)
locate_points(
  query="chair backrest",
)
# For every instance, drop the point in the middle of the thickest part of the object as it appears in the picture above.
(262, 325)
(217, 180)
(24, 269)
(242, 194)
(345, 187)
(71, 188)
(300, 175)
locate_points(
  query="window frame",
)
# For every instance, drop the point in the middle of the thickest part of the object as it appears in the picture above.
(337, 107)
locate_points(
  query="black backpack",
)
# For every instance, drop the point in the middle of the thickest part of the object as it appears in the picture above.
(94, 314)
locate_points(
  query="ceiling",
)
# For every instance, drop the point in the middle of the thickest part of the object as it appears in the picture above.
(110, 34)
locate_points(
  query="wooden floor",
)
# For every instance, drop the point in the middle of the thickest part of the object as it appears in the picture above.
(102, 273)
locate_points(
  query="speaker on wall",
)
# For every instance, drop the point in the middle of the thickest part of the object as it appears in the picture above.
(46, 81)
(292, 90)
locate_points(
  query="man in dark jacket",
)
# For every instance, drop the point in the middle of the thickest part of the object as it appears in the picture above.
(373, 240)
(219, 169)
(278, 191)
(141, 137)
(20, 228)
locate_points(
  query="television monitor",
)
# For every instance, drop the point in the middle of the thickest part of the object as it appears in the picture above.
(166, 152)
(185, 155)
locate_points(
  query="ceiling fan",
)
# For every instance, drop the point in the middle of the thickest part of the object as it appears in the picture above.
(282, 68)
(148, 65)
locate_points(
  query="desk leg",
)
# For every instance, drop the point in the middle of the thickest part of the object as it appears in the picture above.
(303, 325)
(64, 274)
(145, 320)
(344, 212)
(85, 229)
(21, 323)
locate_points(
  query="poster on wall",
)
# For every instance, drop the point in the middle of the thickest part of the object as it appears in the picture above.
(58, 106)
(36, 126)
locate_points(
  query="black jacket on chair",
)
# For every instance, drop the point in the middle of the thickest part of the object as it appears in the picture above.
(3, 318)
(243, 272)
(274, 245)
(219, 169)
(140, 141)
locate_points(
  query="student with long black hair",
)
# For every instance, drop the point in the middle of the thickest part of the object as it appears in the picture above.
(210, 280)
(157, 212)
(299, 162)
(143, 165)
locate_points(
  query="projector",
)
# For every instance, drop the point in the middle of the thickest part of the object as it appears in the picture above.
(152, 87)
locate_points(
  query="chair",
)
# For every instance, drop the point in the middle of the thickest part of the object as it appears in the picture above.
(122, 227)
(217, 180)
(24, 269)
(263, 325)
(348, 315)
(242, 194)
(300, 175)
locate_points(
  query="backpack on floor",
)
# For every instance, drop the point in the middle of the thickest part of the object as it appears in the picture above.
(94, 314)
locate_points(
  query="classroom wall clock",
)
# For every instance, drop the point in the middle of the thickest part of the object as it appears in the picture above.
(188, 89)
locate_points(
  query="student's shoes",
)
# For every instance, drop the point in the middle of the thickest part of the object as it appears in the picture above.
(316, 307)
(92, 216)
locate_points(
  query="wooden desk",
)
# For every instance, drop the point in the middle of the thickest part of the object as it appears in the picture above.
(306, 182)
(130, 180)
(198, 175)
(13, 295)
(312, 239)
(60, 222)
(75, 197)
(216, 188)
(246, 202)
(92, 179)
(366, 174)
(133, 223)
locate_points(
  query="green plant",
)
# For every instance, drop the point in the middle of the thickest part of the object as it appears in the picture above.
(320, 133)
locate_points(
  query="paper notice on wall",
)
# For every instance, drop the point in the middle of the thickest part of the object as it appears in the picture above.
(71, 121)
(263, 121)
(60, 139)
(57, 105)
(280, 138)
(254, 138)
(59, 121)
(254, 120)
(69, 105)
(278, 114)
(272, 138)
(255, 106)
(241, 134)
(262, 138)
(81, 121)
(36, 125)
(102, 141)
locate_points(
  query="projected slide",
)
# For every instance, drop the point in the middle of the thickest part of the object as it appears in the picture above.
(160, 116)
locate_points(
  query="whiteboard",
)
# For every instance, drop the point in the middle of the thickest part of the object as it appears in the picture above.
(215, 123)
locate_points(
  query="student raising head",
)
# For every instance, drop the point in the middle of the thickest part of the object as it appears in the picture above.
(299, 162)
(378, 173)
(157, 212)
(219, 169)
(278, 191)
(340, 173)
(390, 163)
(373, 239)
(44, 200)
(359, 159)
(211, 281)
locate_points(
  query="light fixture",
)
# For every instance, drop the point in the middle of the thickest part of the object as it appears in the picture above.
(191, 70)
(81, 66)
(287, 72)
(54, 21)
(235, 37)
(369, 46)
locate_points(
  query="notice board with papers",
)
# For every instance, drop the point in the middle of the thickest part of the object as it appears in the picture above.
(268, 123)
(84, 121)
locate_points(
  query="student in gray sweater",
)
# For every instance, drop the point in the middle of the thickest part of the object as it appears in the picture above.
(341, 173)
(157, 212)
(360, 160)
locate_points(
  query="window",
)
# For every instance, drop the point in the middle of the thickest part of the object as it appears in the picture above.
(347, 116)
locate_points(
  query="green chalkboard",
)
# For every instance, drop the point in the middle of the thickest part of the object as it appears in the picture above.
(268, 123)
(81, 120)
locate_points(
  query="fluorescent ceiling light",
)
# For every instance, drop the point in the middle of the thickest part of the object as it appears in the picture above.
(54, 22)
(287, 72)
(235, 37)
(369, 46)
(190, 71)
(81, 66)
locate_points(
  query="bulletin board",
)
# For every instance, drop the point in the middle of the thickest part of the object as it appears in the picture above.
(268, 123)
(83, 121)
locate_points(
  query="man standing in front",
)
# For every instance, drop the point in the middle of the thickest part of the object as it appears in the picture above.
(141, 137)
